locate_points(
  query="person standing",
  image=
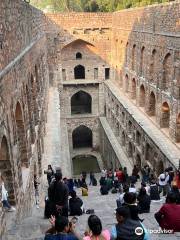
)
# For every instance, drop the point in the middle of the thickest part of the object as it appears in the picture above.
(5, 202)
(154, 193)
(50, 173)
(163, 182)
(58, 196)
(36, 189)
(91, 177)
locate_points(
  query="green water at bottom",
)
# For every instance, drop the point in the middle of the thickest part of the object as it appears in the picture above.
(85, 163)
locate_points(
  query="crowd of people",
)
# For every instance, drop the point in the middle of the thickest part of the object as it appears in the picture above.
(63, 202)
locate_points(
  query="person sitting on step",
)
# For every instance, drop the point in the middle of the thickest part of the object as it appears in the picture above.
(75, 205)
(61, 229)
(95, 231)
(125, 229)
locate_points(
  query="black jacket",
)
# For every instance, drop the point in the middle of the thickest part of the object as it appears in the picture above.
(75, 205)
(58, 193)
(126, 230)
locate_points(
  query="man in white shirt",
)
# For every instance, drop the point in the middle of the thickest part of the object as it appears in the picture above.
(4, 198)
(163, 182)
(132, 188)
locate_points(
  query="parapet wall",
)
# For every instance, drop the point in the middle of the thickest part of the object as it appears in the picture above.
(81, 20)
(20, 25)
(160, 18)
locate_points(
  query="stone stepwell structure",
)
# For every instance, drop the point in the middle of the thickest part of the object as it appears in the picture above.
(112, 81)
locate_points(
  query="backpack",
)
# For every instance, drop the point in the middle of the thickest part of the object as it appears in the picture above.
(84, 191)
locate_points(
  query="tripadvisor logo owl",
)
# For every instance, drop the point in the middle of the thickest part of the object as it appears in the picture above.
(139, 231)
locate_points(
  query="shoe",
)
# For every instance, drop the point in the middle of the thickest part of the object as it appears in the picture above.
(37, 207)
(12, 209)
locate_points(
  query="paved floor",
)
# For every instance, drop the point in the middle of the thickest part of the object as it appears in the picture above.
(33, 228)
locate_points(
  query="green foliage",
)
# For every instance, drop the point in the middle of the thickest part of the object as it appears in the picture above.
(92, 5)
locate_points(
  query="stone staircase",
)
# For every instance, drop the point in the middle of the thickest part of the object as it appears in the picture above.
(31, 228)
(34, 227)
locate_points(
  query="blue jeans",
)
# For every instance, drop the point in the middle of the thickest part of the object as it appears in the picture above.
(6, 204)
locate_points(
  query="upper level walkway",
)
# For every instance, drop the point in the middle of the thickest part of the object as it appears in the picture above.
(170, 150)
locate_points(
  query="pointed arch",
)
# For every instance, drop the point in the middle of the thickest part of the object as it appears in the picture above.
(133, 89)
(133, 56)
(33, 98)
(142, 96)
(123, 139)
(167, 71)
(82, 137)
(138, 161)
(130, 150)
(77, 41)
(165, 115)
(79, 72)
(126, 83)
(78, 55)
(81, 103)
(160, 167)
(142, 58)
(152, 105)
(153, 64)
(21, 136)
(6, 170)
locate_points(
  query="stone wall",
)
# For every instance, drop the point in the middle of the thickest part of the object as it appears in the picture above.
(23, 103)
(141, 47)
(146, 61)
(65, 29)
(139, 138)
(20, 25)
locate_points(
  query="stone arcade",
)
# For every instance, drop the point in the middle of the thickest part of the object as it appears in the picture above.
(118, 78)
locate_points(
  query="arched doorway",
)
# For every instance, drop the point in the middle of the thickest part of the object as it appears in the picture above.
(167, 71)
(142, 96)
(82, 137)
(78, 55)
(79, 72)
(130, 150)
(81, 103)
(86, 163)
(142, 61)
(30, 115)
(152, 69)
(6, 170)
(165, 115)
(126, 83)
(160, 167)
(133, 57)
(34, 96)
(152, 105)
(138, 161)
(178, 128)
(148, 152)
(133, 89)
(123, 139)
(21, 136)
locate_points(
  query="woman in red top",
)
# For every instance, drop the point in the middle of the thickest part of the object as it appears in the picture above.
(177, 179)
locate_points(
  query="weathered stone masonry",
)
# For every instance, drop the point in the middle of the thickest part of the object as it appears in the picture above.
(23, 85)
